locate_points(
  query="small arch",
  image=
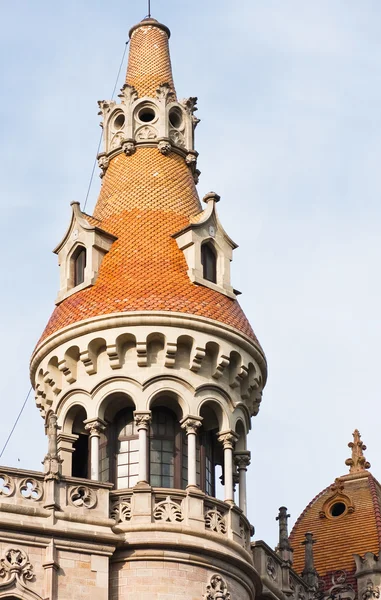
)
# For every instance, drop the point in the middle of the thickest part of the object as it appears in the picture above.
(241, 444)
(126, 348)
(209, 262)
(234, 367)
(155, 348)
(75, 424)
(71, 358)
(55, 375)
(97, 353)
(209, 362)
(183, 352)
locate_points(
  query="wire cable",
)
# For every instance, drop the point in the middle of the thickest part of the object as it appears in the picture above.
(15, 423)
(84, 206)
(101, 136)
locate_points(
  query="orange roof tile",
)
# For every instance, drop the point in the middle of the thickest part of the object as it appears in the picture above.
(144, 199)
(149, 63)
(338, 538)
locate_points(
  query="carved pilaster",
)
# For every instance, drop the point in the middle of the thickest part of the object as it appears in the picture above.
(228, 439)
(142, 419)
(191, 424)
(95, 427)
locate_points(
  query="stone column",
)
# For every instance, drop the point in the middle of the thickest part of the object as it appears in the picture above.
(191, 425)
(242, 461)
(142, 422)
(95, 428)
(228, 440)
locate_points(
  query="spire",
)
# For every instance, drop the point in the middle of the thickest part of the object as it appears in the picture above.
(149, 63)
(357, 462)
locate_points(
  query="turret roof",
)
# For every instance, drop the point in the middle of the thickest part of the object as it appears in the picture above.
(145, 199)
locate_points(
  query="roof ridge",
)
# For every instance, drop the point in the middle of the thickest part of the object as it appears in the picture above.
(377, 509)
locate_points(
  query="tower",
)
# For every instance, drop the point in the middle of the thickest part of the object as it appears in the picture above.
(147, 376)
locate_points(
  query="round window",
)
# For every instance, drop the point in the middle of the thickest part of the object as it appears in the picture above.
(119, 121)
(175, 118)
(337, 509)
(146, 114)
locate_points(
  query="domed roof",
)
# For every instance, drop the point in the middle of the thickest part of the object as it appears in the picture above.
(345, 519)
(144, 200)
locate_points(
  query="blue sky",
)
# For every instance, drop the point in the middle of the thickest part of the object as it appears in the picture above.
(289, 97)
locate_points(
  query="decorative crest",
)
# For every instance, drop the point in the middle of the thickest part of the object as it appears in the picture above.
(357, 462)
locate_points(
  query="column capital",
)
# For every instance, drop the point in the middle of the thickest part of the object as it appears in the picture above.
(242, 460)
(142, 419)
(191, 424)
(228, 439)
(95, 427)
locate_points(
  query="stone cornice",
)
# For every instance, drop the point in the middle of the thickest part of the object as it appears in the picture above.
(154, 318)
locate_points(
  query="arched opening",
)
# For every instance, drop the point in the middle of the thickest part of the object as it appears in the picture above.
(209, 262)
(211, 454)
(79, 265)
(118, 443)
(81, 454)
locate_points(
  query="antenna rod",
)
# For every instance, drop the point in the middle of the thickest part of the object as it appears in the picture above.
(149, 8)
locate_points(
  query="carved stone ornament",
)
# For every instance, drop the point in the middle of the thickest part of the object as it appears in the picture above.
(270, 567)
(341, 589)
(164, 147)
(215, 521)
(146, 134)
(142, 420)
(103, 163)
(30, 489)
(128, 94)
(128, 147)
(177, 138)
(7, 486)
(121, 510)
(371, 591)
(165, 93)
(217, 589)
(81, 495)
(228, 439)
(15, 566)
(191, 425)
(168, 511)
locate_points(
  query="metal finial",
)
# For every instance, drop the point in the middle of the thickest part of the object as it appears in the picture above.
(357, 462)
(149, 8)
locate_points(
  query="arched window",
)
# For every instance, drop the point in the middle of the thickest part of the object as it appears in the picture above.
(209, 262)
(164, 451)
(79, 259)
(127, 450)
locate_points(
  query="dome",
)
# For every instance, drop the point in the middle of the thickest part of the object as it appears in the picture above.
(345, 520)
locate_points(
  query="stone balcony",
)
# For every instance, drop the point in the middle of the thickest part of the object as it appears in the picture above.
(94, 510)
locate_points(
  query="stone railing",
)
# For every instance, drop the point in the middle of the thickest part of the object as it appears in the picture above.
(188, 509)
(141, 508)
(277, 576)
(32, 492)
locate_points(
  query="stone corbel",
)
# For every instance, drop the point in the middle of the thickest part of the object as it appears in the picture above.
(113, 355)
(196, 359)
(164, 146)
(129, 147)
(170, 355)
(141, 350)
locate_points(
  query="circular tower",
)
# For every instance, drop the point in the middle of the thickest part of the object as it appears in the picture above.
(148, 365)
